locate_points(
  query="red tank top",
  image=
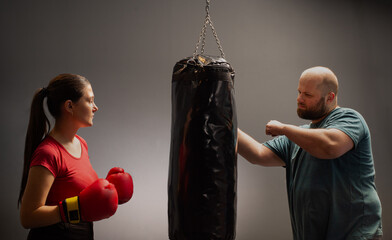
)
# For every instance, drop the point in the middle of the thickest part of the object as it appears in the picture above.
(71, 174)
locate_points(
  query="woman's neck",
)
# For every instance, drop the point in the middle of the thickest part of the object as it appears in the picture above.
(63, 132)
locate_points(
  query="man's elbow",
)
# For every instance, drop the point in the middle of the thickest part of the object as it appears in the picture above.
(331, 151)
(334, 146)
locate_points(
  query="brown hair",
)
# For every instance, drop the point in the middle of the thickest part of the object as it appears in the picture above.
(60, 89)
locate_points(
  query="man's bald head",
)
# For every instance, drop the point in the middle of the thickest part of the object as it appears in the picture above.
(317, 90)
(324, 77)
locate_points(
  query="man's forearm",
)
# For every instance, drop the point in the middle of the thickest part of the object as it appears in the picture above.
(320, 143)
(255, 152)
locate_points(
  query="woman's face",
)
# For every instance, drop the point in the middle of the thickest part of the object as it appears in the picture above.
(84, 108)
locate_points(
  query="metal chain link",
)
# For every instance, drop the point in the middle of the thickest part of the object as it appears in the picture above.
(202, 37)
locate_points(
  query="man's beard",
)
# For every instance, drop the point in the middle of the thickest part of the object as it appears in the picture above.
(314, 113)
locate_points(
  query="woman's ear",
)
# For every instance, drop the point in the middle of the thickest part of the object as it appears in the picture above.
(68, 106)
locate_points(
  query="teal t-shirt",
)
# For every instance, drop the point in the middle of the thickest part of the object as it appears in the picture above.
(335, 198)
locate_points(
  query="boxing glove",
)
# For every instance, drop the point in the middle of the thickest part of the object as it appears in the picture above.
(123, 183)
(96, 202)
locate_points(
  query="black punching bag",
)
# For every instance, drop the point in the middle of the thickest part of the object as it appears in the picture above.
(203, 158)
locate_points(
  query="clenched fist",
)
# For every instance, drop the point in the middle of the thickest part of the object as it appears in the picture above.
(274, 128)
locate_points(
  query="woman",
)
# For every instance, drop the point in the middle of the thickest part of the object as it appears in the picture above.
(56, 162)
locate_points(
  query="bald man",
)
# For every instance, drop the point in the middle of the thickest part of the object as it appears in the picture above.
(329, 164)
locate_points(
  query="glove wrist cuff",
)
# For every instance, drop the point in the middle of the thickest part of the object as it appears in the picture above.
(69, 210)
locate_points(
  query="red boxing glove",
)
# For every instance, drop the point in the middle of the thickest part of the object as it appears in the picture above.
(123, 182)
(96, 202)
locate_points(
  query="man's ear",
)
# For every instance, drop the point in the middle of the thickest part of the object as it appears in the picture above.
(68, 106)
(331, 97)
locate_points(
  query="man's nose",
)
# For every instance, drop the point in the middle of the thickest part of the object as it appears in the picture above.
(299, 98)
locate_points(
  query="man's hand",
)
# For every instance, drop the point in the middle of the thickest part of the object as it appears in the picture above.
(274, 128)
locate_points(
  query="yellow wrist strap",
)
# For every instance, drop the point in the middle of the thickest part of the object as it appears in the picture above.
(73, 209)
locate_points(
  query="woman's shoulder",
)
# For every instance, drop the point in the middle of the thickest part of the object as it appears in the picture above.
(48, 146)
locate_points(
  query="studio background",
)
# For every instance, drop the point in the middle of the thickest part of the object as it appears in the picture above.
(127, 50)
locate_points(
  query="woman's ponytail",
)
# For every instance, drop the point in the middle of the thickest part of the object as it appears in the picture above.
(38, 128)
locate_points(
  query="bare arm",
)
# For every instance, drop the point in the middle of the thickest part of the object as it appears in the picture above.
(255, 152)
(321, 143)
(33, 211)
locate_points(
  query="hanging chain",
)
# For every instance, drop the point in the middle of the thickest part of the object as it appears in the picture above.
(202, 37)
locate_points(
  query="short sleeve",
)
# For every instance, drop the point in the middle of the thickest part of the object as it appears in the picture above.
(46, 157)
(280, 146)
(350, 122)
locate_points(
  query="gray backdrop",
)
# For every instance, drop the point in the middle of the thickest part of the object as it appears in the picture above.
(127, 49)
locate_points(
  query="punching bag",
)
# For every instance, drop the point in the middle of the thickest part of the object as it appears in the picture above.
(203, 158)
